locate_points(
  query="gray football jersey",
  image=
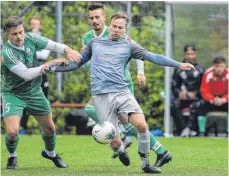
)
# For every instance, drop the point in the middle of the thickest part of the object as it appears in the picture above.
(108, 61)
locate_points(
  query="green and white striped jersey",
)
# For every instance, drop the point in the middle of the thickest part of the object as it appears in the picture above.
(13, 55)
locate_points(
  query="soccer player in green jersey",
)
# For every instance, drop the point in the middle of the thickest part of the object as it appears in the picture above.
(21, 87)
(96, 18)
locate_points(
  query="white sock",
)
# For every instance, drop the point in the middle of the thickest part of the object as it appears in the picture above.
(144, 161)
(119, 150)
(51, 153)
(12, 154)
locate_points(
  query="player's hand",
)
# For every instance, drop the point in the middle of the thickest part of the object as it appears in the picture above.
(82, 48)
(73, 55)
(141, 80)
(217, 101)
(54, 62)
(191, 95)
(187, 66)
(182, 95)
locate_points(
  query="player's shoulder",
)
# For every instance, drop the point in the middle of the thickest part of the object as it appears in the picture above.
(8, 53)
(29, 35)
(32, 36)
(89, 34)
(128, 39)
(7, 49)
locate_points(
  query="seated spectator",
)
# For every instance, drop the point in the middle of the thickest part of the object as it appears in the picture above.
(214, 90)
(186, 90)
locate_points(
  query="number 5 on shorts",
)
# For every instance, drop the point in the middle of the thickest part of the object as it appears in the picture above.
(7, 107)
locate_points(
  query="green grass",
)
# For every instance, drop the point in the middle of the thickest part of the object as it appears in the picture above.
(192, 157)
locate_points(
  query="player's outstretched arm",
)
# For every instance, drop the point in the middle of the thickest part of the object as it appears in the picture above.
(31, 73)
(71, 65)
(45, 43)
(140, 53)
(165, 61)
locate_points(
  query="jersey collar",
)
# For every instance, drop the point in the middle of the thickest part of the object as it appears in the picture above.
(102, 33)
(22, 48)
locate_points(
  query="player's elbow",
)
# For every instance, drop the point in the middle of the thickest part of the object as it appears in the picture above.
(26, 77)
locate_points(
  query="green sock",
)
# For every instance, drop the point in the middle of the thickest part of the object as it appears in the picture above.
(11, 145)
(90, 110)
(202, 123)
(154, 144)
(122, 135)
(131, 129)
(50, 141)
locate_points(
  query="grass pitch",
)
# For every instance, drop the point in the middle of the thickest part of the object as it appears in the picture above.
(84, 157)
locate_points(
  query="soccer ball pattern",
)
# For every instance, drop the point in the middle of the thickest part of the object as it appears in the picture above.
(104, 132)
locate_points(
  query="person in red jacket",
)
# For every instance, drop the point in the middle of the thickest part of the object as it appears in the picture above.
(214, 90)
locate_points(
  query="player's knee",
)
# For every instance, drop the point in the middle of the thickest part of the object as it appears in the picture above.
(12, 133)
(123, 120)
(142, 127)
(50, 129)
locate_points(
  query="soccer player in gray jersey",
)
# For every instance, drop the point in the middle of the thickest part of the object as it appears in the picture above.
(109, 88)
(97, 19)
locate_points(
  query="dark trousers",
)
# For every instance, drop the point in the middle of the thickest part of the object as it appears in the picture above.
(179, 120)
(205, 107)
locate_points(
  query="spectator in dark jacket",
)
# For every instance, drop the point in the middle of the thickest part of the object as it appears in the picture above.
(186, 90)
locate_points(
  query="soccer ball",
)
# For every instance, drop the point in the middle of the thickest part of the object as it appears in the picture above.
(104, 132)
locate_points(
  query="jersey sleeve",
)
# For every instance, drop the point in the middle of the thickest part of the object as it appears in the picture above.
(10, 58)
(83, 41)
(87, 53)
(137, 51)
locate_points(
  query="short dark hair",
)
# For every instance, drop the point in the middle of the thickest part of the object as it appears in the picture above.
(189, 46)
(95, 6)
(219, 59)
(122, 15)
(13, 21)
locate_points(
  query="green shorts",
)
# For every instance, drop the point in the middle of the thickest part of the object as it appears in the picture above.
(35, 104)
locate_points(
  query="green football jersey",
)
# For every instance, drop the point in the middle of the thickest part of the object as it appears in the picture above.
(91, 34)
(12, 55)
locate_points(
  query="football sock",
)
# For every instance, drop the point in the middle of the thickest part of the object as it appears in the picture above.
(143, 147)
(11, 145)
(12, 154)
(117, 150)
(154, 144)
(90, 110)
(50, 141)
(51, 153)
